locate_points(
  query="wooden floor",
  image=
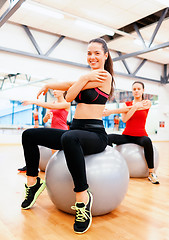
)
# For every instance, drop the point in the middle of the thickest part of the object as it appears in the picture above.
(143, 214)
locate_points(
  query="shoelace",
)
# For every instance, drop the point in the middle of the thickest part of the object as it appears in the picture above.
(81, 213)
(27, 193)
(153, 175)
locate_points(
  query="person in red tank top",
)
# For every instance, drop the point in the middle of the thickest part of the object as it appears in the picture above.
(58, 115)
(36, 118)
(116, 122)
(134, 114)
(57, 111)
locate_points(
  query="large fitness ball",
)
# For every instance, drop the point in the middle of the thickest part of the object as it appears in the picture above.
(107, 175)
(134, 156)
(45, 155)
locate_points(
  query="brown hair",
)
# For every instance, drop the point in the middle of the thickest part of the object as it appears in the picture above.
(108, 66)
(142, 86)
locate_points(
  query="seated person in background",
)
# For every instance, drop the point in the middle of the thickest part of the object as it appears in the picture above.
(135, 118)
(116, 122)
(57, 111)
(36, 118)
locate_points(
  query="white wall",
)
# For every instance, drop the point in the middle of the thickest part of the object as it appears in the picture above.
(14, 37)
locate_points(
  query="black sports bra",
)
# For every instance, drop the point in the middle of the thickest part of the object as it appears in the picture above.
(92, 96)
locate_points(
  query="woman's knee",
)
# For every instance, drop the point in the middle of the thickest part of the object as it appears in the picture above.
(146, 141)
(26, 135)
(67, 138)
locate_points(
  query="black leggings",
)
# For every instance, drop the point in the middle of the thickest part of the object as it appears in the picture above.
(144, 141)
(84, 137)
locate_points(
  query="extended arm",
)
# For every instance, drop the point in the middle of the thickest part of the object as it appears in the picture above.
(108, 112)
(63, 86)
(57, 105)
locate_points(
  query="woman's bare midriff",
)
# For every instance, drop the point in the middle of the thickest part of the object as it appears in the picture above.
(85, 111)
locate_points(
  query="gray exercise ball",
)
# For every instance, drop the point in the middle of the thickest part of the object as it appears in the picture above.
(107, 175)
(45, 155)
(134, 156)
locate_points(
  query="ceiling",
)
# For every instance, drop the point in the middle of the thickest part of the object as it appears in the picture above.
(135, 23)
(118, 16)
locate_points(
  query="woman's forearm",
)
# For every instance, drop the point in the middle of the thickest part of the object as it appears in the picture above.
(76, 88)
(63, 86)
(48, 105)
(129, 114)
(91, 80)
(108, 112)
(120, 110)
(40, 104)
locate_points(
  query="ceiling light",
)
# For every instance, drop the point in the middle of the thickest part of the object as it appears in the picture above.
(40, 9)
(94, 27)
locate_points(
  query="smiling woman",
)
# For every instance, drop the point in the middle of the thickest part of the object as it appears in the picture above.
(86, 130)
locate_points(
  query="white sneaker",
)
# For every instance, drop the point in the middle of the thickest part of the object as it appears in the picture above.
(153, 178)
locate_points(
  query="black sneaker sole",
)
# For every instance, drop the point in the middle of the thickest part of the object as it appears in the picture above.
(22, 171)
